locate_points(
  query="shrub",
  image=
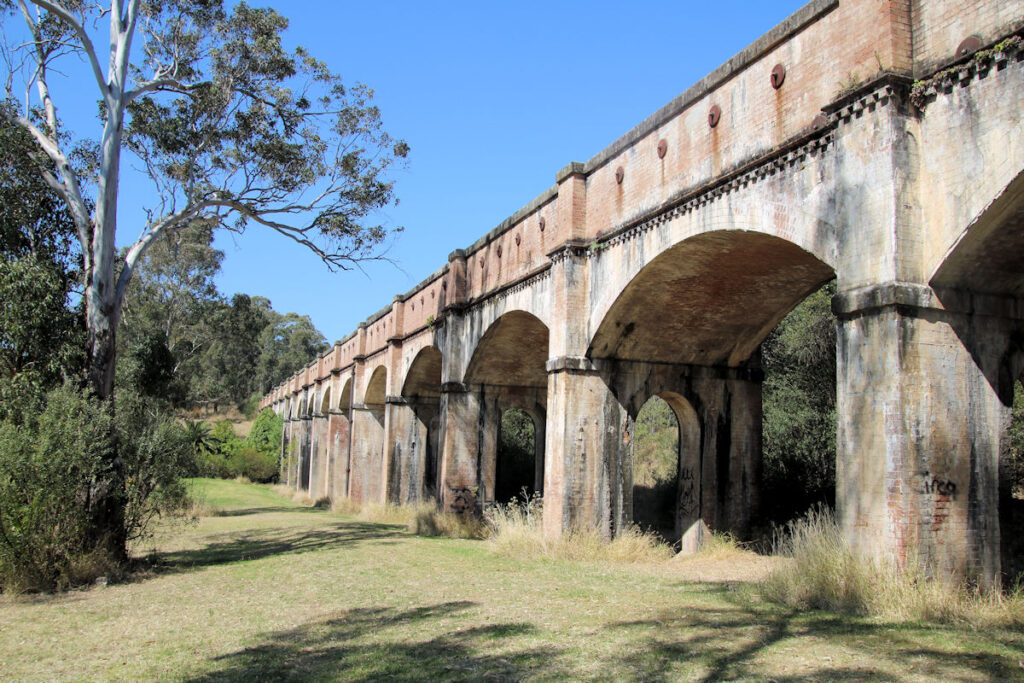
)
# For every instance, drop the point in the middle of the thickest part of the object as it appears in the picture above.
(252, 464)
(265, 434)
(49, 460)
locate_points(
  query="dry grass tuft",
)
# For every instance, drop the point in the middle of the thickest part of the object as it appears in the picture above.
(299, 497)
(387, 513)
(515, 531)
(346, 506)
(826, 574)
(430, 521)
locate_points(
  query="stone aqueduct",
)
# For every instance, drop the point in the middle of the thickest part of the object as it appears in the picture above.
(877, 142)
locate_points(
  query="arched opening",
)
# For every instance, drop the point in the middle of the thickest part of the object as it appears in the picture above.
(508, 372)
(666, 467)
(376, 389)
(325, 402)
(655, 467)
(422, 391)
(709, 300)
(340, 431)
(512, 352)
(345, 400)
(517, 475)
(1011, 493)
(799, 410)
(687, 329)
(980, 281)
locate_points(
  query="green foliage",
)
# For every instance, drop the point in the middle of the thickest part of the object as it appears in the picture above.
(655, 444)
(227, 456)
(287, 345)
(180, 341)
(655, 466)
(50, 461)
(799, 402)
(39, 336)
(156, 453)
(265, 434)
(1016, 451)
(516, 456)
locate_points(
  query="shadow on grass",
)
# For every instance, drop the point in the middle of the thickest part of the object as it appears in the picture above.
(374, 644)
(248, 545)
(728, 644)
(242, 512)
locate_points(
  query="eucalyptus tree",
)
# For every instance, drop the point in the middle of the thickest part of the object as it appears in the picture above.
(224, 124)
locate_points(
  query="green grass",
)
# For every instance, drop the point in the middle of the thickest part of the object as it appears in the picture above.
(272, 590)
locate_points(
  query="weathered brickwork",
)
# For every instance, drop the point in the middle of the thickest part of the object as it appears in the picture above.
(854, 141)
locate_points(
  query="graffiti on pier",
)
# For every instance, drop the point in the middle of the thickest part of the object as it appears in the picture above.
(463, 500)
(687, 492)
(931, 485)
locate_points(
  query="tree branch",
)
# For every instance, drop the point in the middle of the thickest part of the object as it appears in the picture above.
(83, 36)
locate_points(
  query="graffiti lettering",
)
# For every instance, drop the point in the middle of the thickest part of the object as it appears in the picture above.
(937, 485)
(463, 500)
(687, 492)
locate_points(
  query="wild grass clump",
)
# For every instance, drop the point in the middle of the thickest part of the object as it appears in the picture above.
(826, 574)
(430, 521)
(515, 530)
(377, 513)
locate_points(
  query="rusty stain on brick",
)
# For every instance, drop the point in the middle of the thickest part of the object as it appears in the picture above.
(662, 148)
(619, 175)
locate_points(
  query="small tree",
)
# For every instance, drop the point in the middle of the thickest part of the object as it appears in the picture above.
(229, 128)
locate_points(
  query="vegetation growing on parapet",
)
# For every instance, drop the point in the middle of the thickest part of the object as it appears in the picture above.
(921, 88)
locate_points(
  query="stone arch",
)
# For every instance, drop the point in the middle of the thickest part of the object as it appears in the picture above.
(340, 439)
(368, 476)
(681, 521)
(345, 398)
(423, 378)
(988, 256)
(414, 470)
(507, 370)
(300, 408)
(325, 402)
(512, 352)
(376, 388)
(709, 300)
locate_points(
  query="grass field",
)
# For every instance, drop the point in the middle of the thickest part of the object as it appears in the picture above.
(273, 591)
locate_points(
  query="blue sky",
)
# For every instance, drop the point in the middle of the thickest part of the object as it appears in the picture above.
(493, 99)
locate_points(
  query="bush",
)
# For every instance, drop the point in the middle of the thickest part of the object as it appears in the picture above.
(265, 435)
(50, 459)
(252, 464)
(220, 454)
